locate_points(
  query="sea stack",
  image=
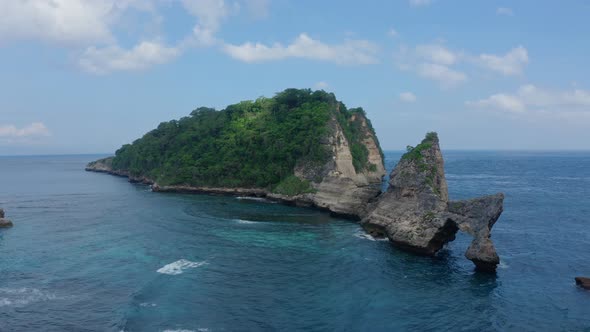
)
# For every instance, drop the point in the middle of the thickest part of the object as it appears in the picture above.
(4, 223)
(416, 215)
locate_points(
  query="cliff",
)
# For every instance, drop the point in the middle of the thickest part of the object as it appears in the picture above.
(300, 147)
(416, 215)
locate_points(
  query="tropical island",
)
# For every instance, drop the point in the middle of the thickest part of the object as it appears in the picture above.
(306, 148)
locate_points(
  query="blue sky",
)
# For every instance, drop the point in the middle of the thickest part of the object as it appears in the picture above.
(86, 76)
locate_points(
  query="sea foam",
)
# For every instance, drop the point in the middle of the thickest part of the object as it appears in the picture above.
(19, 297)
(179, 266)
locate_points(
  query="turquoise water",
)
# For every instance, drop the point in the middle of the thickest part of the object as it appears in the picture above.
(92, 252)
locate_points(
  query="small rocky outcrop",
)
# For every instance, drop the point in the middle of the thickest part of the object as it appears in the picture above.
(583, 282)
(415, 212)
(4, 223)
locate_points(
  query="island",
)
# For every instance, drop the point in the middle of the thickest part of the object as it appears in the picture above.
(306, 148)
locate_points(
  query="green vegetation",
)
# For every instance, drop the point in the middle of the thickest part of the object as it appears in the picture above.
(248, 144)
(415, 154)
(292, 186)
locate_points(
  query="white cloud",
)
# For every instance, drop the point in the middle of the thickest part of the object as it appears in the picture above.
(407, 97)
(531, 98)
(210, 13)
(500, 101)
(321, 85)
(444, 75)
(437, 53)
(35, 129)
(305, 47)
(504, 11)
(392, 32)
(63, 21)
(437, 62)
(512, 63)
(113, 58)
(417, 3)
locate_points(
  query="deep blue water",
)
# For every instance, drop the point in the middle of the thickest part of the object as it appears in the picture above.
(92, 252)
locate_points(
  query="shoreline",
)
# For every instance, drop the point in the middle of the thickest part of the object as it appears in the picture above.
(298, 201)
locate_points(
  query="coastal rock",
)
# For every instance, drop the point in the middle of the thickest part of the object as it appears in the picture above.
(416, 215)
(476, 218)
(4, 223)
(583, 282)
(343, 190)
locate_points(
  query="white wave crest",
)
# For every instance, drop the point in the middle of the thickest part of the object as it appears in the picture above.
(19, 297)
(179, 266)
(365, 236)
(242, 221)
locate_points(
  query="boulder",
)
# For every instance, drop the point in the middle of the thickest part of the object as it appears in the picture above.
(416, 215)
(583, 282)
(4, 222)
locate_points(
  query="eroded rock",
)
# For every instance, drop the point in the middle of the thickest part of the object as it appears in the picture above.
(4, 223)
(416, 215)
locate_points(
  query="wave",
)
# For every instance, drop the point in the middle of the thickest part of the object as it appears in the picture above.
(179, 266)
(19, 297)
(242, 221)
(201, 329)
(366, 236)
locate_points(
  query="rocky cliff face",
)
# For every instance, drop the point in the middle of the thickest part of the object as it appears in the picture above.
(341, 189)
(415, 212)
(4, 223)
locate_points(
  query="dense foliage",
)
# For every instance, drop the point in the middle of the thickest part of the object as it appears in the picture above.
(248, 144)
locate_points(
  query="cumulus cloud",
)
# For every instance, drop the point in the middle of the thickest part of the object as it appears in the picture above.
(64, 21)
(512, 63)
(305, 47)
(35, 129)
(437, 62)
(113, 58)
(437, 53)
(504, 11)
(407, 97)
(446, 76)
(417, 3)
(531, 98)
(432, 61)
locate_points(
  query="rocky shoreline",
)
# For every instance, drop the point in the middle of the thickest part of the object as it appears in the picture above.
(303, 200)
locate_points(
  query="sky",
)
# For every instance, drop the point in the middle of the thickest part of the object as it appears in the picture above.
(87, 76)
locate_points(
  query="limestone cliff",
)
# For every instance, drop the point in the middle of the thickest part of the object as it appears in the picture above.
(415, 212)
(340, 188)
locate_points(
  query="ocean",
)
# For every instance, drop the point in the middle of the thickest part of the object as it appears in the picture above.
(92, 252)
